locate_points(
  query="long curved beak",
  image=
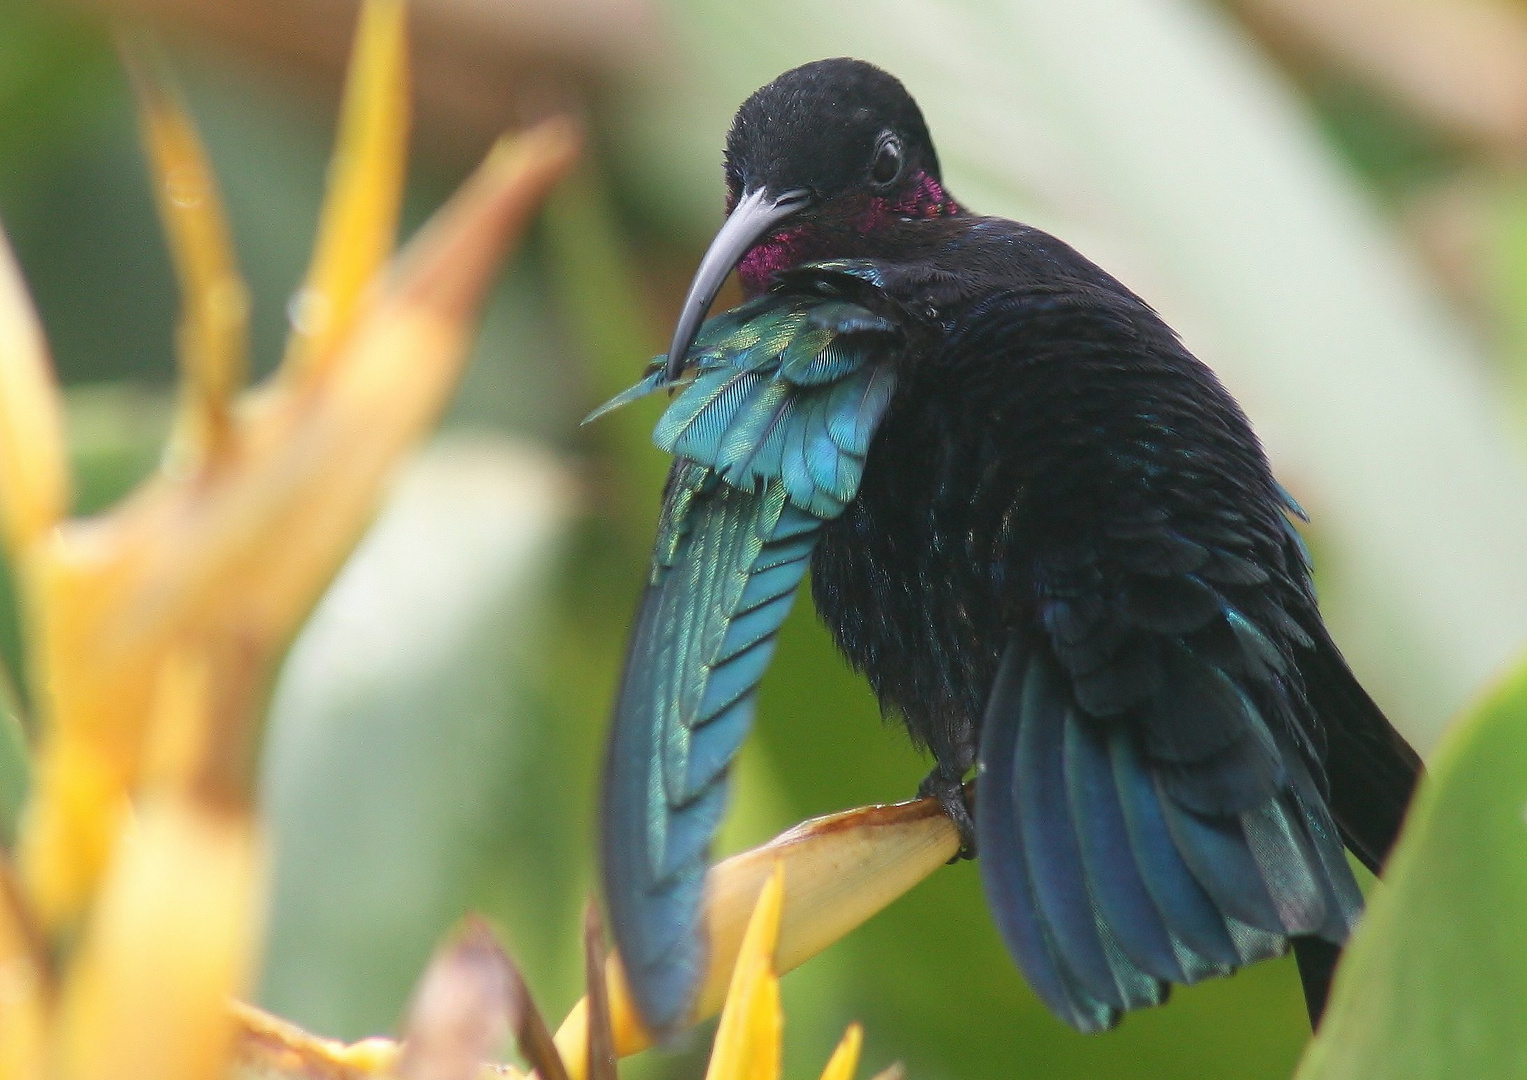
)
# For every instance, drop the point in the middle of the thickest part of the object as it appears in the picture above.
(755, 214)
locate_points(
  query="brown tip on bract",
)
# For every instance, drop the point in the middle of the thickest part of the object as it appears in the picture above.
(600, 1058)
(895, 1072)
(462, 1009)
(449, 265)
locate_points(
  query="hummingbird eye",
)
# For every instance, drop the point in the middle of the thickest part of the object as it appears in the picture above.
(886, 167)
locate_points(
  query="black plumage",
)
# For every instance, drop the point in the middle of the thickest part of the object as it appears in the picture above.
(1043, 532)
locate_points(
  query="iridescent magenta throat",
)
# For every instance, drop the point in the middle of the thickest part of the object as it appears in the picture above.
(926, 198)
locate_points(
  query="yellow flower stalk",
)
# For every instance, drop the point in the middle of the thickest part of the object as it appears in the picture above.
(154, 629)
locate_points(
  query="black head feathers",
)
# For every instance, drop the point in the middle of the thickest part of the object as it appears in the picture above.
(829, 127)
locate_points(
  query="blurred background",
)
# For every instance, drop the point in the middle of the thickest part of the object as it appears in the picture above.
(1328, 198)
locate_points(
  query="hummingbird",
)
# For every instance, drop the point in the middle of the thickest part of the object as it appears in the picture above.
(1042, 531)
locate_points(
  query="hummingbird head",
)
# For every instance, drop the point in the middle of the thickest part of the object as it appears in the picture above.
(826, 155)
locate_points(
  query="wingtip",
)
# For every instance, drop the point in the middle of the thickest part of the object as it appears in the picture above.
(654, 380)
(665, 1000)
(660, 940)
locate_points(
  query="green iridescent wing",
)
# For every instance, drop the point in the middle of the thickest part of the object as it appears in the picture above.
(771, 431)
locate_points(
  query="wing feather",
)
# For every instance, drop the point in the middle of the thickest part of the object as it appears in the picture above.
(770, 445)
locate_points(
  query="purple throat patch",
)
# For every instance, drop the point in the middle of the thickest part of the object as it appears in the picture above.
(924, 199)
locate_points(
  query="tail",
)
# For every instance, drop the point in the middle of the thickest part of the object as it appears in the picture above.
(1107, 889)
(1371, 770)
(1317, 959)
(1372, 773)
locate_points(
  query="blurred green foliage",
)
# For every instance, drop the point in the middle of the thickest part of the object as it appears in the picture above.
(14, 775)
(1395, 152)
(436, 736)
(52, 78)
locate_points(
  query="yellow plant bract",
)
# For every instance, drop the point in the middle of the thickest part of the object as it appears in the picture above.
(845, 1059)
(356, 234)
(748, 1039)
(153, 629)
(34, 474)
(214, 322)
(840, 869)
(171, 937)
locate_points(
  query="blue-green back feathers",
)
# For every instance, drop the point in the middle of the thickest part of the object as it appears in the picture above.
(770, 427)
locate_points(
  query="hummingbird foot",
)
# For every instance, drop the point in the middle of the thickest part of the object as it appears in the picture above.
(951, 793)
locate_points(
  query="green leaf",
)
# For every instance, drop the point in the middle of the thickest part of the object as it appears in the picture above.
(1433, 985)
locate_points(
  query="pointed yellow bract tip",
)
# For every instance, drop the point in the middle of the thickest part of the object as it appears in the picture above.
(748, 1039)
(34, 475)
(214, 302)
(841, 869)
(360, 217)
(845, 1059)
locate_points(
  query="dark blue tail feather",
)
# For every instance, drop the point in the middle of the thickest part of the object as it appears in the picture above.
(1005, 872)
(1106, 887)
(1054, 854)
(1123, 902)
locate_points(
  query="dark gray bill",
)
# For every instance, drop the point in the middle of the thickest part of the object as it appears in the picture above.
(755, 214)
